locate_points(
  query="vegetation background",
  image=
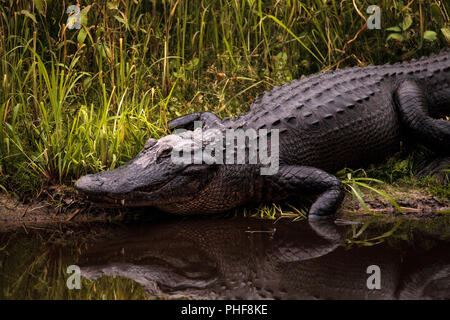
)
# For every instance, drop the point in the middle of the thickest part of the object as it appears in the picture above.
(75, 101)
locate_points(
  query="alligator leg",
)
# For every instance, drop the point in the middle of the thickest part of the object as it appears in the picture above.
(415, 115)
(208, 120)
(295, 179)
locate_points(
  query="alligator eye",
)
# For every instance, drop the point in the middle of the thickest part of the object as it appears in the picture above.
(164, 153)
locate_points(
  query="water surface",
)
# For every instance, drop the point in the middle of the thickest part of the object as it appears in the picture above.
(236, 258)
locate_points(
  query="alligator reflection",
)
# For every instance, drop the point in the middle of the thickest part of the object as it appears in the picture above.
(254, 259)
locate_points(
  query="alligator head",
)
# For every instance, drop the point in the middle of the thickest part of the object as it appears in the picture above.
(152, 178)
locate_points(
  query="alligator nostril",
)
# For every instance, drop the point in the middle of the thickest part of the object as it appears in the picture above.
(88, 183)
(99, 181)
(81, 183)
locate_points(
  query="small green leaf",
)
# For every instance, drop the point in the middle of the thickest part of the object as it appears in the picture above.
(446, 33)
(407, 22)
(81, 35)
(40, 6)
(395, 29)
(84, 15)
(112, 5)
(29, 15)
(395, 36)
(104, 50)
(436, 12)
(357, 193)
(121, 20)
(281, 57)
(430, 35)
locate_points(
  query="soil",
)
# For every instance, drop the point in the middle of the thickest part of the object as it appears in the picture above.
(414, 203)
(13, 214)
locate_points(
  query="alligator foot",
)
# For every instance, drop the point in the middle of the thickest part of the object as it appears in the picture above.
(299, 179)
(208, 120)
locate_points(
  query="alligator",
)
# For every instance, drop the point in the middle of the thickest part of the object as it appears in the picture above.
(196, 260)
(325, 122)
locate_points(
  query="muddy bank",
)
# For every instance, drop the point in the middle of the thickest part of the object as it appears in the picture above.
(13, 213)
(414, 203)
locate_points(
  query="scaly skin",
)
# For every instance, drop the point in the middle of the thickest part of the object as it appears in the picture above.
(328, 121)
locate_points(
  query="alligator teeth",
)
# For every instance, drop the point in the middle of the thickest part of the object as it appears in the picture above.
(122, 202)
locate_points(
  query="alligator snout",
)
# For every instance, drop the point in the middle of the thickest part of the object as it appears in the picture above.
(90, 183)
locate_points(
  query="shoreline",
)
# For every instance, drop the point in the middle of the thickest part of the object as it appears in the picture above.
(415, 204)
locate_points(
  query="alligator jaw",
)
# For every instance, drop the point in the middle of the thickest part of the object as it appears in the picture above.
(95, 189)
(132, 199)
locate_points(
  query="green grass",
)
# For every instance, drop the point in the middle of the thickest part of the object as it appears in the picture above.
(79, 101)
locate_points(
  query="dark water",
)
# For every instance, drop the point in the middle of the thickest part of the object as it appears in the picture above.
(238, 258)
